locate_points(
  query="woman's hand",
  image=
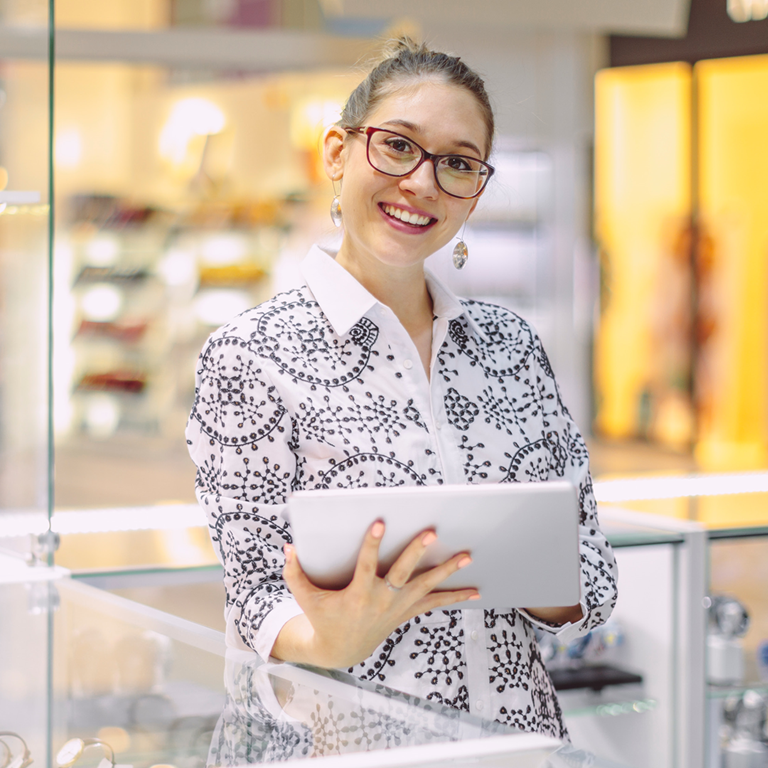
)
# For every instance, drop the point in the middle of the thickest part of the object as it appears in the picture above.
(341, 628)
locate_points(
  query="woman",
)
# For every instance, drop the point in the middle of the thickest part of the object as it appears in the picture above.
(375, 374)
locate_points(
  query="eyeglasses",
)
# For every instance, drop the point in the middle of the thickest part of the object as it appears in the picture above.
(393, 154)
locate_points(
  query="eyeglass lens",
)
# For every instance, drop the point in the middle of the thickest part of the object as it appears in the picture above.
(395, 155)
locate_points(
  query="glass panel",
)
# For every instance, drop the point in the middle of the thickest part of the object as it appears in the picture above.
(24, 259)
(25, 671)
(623, 534)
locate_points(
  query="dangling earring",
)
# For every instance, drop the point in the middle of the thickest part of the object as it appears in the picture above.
(460, 251)
(335, 207)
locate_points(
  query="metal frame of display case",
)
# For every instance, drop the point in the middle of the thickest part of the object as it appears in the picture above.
(686, 635)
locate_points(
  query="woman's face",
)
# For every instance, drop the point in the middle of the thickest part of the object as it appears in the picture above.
(442, 118)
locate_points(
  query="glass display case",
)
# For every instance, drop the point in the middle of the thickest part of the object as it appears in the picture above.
(88, 677)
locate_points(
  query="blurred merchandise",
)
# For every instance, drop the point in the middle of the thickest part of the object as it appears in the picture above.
(743, 736)
(10, 758)
(762, 660)
(587, 661)
(147, 287)
(728, 623)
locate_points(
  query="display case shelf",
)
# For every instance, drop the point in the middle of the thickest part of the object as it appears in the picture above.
(724, 691)
(607, 704)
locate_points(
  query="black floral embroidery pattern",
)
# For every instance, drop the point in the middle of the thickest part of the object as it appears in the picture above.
(284, 403)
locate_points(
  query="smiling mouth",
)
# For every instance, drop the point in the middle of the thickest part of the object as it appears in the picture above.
(414, 219)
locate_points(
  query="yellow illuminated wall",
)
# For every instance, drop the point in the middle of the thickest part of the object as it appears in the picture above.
(642, 206)
(682, 344)
(733, 195)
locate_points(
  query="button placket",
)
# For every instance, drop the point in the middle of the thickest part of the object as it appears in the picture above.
(477, 669)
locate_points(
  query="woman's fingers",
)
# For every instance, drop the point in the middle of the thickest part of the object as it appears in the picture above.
(405, 564)
(294, 575)
(430, 580)
(435, 600)
(368, 558)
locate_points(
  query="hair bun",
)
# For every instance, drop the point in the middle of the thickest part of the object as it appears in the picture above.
(395, 47)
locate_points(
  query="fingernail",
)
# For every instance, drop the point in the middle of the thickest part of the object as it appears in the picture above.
(473, 597)
(378, 530)
(429, 537)
(464, 562)
(288, 551)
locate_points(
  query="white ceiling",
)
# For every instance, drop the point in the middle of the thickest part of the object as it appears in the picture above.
(637, 17)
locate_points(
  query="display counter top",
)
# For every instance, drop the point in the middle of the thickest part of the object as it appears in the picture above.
(148, 688)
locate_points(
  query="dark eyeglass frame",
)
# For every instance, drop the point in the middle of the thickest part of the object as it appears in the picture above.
(369, 130)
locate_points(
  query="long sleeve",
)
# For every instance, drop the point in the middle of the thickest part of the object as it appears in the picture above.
(239, 436)
(570, 461)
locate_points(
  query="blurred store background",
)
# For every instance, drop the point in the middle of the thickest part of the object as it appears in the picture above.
(627, 219)
(160, 172)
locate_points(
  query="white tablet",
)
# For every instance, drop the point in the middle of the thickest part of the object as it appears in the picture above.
(523, 537)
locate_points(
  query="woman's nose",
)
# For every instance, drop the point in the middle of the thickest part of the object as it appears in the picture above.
(422, 181)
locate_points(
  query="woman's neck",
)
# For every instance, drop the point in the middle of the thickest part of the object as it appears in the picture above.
(402, 289)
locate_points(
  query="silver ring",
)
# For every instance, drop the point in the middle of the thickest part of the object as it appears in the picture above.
(390, 585)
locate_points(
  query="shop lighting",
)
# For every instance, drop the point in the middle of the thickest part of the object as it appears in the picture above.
(189, 118)
(103, 251)
(747, 10)
(224, 249)
(216, 307)
(68, 148)
(178, 268)
(102, 303)
(646, 489)
(102, 415)
(310, 119)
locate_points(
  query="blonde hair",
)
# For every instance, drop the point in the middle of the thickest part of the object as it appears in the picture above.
(404, 60)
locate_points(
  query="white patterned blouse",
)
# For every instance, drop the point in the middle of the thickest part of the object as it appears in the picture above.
(322, 387)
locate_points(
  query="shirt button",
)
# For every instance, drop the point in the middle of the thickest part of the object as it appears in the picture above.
(479, 706)
(474, 634)
(407, 364)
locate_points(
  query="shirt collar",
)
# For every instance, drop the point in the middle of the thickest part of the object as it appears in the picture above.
(345, 301)
(446, 304)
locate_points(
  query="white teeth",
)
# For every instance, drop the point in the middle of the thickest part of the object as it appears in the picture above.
(408, 218)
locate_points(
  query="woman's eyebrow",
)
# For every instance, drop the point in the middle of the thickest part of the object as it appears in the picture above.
(416, 129)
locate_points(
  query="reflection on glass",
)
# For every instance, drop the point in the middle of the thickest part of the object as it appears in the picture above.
(278, 712)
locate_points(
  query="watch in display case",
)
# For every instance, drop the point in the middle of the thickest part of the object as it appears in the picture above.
(73, 750)
(10, 760)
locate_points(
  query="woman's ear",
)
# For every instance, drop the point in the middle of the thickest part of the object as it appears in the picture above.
(333, 158)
